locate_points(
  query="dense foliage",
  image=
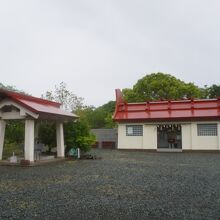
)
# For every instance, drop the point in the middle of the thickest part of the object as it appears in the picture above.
(100, 117)
(14, 131)
(213, 91)
(76, 134)
(47, 134)
(158, 86)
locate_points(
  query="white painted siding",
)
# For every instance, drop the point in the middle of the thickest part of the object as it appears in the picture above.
(186, 137)
(203, 142)
(190, 138)
(128, 142)
(150, 137)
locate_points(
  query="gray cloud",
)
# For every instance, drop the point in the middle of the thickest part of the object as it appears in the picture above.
(97, 46)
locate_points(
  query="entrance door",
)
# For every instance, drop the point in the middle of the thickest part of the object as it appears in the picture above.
(169, 136)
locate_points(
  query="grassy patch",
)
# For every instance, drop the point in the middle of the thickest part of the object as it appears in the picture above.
(9, 148)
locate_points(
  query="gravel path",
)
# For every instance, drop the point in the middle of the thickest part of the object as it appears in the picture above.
(122, 185)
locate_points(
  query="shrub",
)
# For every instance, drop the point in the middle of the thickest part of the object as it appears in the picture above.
(77, 135)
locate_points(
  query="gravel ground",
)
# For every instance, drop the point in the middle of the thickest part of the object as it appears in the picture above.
(122, 185)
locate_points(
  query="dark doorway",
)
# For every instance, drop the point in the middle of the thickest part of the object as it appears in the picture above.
(169, 136)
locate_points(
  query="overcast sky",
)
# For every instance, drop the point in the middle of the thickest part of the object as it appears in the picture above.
(96, 46)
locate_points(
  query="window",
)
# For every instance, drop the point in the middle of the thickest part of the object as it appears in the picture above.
(134, 130)
(207, 129)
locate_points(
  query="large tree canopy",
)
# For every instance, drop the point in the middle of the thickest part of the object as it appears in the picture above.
(214, 91)
(161, 86)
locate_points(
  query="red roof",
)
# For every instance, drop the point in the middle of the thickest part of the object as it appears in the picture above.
(45, 108)
(193, 109)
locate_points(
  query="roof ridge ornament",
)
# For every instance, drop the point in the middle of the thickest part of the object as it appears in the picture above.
(119, 97)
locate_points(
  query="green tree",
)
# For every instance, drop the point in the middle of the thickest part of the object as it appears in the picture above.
(47, 134)
(94, 117)
(100, 117)
(78, 135)
(14, 131)
(68, 99)
(109, 123)
(130, 95)
(214, 91)
(161, 86)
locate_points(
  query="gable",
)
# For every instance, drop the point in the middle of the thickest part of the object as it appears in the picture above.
(12, 110)
(29, 106)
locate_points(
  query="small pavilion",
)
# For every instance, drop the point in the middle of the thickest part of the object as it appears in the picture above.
(18, 106)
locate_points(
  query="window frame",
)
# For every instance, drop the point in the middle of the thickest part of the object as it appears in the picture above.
(207, 129)
(137, 130)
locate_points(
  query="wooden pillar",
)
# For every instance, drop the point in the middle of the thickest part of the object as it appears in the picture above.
(60, 139)
(29, 140)
(2, 136)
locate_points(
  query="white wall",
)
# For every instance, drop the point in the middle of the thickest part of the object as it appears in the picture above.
(203, 142)
(128, 142)
(186, 137)
(147, 141)
(150, 137)
(190, 139)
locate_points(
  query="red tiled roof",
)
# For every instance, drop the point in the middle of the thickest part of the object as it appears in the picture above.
(193, 109)
(45, 108)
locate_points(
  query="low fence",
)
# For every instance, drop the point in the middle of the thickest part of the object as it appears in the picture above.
(106, 138)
